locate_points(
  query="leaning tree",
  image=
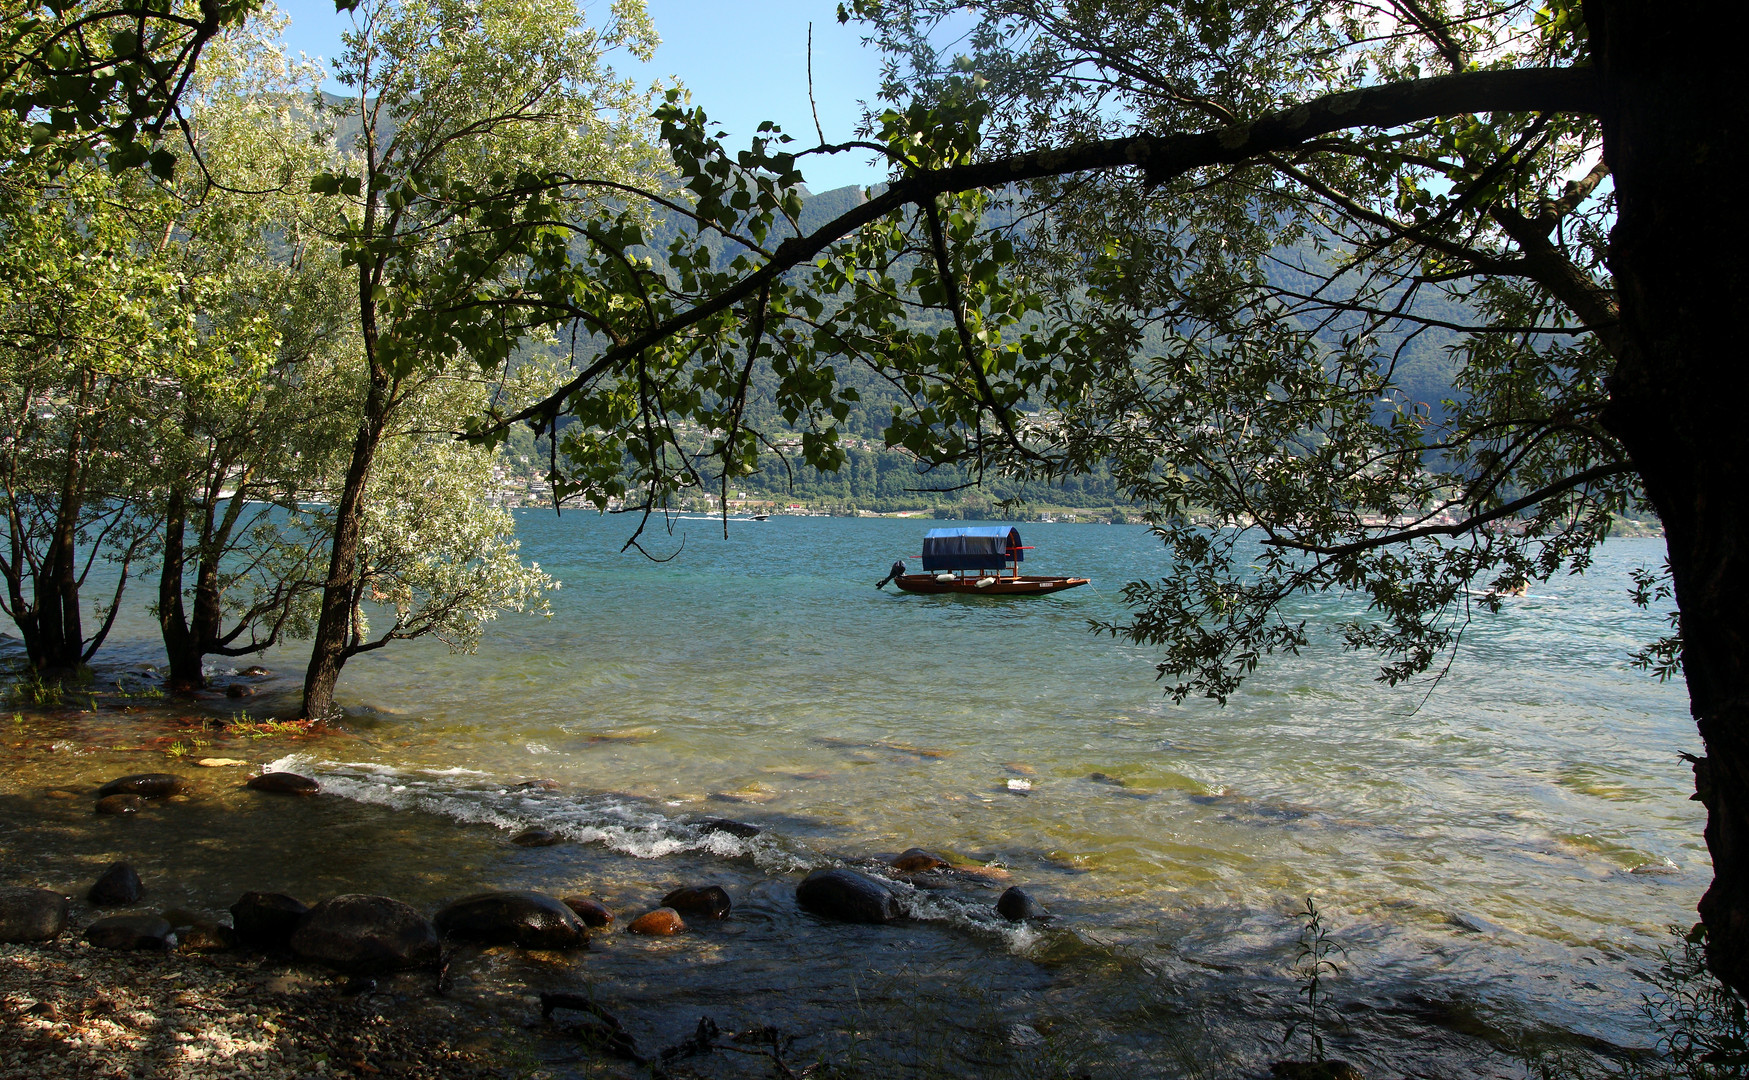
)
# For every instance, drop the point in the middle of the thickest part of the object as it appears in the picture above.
(1209, 243)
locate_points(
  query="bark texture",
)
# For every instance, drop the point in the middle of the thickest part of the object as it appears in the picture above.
(1675, 141)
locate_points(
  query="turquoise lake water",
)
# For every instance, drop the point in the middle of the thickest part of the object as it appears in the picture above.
(1498, 855)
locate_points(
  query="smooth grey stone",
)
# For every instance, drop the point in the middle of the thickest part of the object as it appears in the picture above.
(848, 896)
(364, 934)
(267, 920)
(116, 886)
(513, 917)
(131, 932)
(28, 914)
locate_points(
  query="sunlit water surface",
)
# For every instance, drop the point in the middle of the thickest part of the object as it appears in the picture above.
(1497, 857)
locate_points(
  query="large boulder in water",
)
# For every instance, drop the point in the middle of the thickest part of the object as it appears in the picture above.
(529, 919)
(709, 901)
(590, 911)
(284, 783)
(267, 920)
(366, 934)
(116, 886)
(28, 914)
(152, 785)
(131, 932)
(848, 896)
(1016, 905)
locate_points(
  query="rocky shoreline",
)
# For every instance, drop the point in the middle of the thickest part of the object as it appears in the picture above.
(359, 984)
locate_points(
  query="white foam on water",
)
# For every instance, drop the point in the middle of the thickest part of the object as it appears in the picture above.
(623, 825)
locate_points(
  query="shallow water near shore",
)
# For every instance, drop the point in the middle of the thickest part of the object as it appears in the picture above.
(1496, 856)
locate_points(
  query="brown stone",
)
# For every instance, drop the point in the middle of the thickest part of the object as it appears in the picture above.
(204, 935)
(537, 838)
(916, 860)
(593, 914)
(659, 923)
(239, 690)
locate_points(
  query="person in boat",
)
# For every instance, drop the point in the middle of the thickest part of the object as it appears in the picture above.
(897, 571)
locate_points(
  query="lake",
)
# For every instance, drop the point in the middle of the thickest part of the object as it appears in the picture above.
(1497, 854)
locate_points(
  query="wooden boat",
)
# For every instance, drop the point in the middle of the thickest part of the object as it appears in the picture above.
(986, 584)
(979, 561)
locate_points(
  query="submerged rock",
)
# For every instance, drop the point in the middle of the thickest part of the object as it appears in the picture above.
(1103, 778)
(538, 785)
(1315, 1070)
(28, 914)
(118, 885)
(537, 838)
(590, 911)
(709, 901)
(154, 785)
(120, 804)
(283, 783)
(365, 934)
(733, 828)
(848, 896)
(239, 690)
(130, 932)
(255, 673)
(267, 920)
(529, 919)
(1016, 905)
(662, 922)
(916, 860)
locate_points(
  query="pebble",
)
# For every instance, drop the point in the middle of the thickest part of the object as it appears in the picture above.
(220, 762)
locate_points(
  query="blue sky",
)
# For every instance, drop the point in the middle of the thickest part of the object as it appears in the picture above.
(743, 62)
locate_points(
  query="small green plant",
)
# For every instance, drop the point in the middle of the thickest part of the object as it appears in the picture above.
(177, 749)
(1702, 1024)
(33, 689)
(1312, 966)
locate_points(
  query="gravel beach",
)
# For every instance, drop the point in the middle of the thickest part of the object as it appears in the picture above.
(70, 1010)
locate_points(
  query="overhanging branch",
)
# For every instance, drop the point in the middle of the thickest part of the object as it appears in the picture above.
(1467, 525)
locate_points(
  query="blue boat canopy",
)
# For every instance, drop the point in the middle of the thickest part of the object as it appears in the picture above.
(979, 547)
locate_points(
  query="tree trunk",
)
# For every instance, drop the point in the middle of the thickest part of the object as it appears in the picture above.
(1675, 140)
(332, 642)
(181, 645)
